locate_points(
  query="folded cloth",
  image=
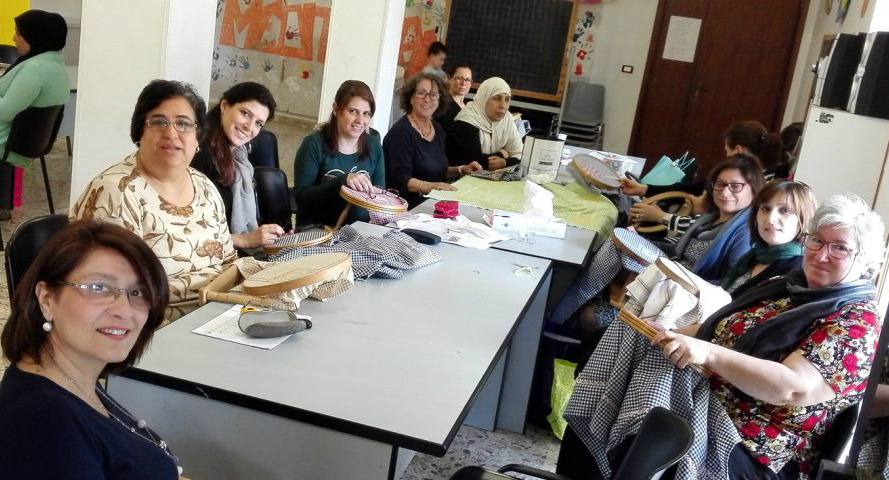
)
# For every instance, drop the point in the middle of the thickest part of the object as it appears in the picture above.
(383, 257)
(666, 302)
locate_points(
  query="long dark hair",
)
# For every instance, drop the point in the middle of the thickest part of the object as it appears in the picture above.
(329, 130)
(752, 135)
(216, 141)
(23, 334)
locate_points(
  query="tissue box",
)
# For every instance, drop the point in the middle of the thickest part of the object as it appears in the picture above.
(517, 224)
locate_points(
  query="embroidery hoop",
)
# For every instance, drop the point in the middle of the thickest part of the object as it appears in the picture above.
(684, 210)
(678, 273)
(297, 273)
(635, 246)
(307, 238)
(595, 171)
(387, 202)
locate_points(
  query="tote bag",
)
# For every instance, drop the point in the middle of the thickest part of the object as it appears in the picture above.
(668, 172)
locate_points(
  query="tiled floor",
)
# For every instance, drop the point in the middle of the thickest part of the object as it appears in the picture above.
(472, 446)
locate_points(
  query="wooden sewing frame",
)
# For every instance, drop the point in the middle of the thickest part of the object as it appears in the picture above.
(307, 238)
(396, 204)
(684, 209)
(595, 171)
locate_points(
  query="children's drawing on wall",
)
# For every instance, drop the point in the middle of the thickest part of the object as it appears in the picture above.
(583, 43)
(423, 24)
(279, 43)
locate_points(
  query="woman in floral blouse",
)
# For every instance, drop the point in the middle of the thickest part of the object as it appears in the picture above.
(154, 193)
(786, 357)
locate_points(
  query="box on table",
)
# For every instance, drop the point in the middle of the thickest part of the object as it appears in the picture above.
(519, 224)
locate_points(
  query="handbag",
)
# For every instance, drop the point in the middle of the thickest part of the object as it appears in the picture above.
(668, 172)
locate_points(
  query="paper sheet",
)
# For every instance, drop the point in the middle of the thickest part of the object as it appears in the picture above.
(225, 327)
(458, 231)
(682, 39)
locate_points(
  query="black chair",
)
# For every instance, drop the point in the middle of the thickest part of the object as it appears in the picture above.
(264, 150)
(27, 240)
(32, 134)
(663, 439)
(8, 54)
(272, 197)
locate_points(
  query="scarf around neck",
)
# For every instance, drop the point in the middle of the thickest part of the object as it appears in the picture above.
(761, 254)
(493, 136)
(772, 339)
(243, 199)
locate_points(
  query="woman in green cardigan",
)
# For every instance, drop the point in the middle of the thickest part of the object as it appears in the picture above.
(37, 79)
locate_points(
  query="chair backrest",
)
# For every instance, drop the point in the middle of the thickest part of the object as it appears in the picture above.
(26, 242)
(8, 54)
(272, 198)
(584, 104)
(663, 439)
(264, 150)
(838, 436)
(34, 131)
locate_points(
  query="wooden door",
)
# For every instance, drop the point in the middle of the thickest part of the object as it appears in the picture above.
(742, 70)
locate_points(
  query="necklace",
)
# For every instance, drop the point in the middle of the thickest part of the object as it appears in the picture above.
(424, 133)
(140, 426)
(95, 403)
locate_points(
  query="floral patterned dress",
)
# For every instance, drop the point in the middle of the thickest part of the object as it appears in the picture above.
(192, 242)
(841, 346)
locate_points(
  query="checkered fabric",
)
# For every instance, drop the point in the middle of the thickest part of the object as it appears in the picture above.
(383, 257)
(873, 458)
(627, 377)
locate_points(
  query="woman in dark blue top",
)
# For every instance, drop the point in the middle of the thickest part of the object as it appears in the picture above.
(88, 305)
(414, 148)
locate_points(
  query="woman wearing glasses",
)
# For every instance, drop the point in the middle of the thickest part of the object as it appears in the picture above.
(87, 306)
(459, 83)
(154, 193)
(343, 151)
(238, 117)
(713, 243)
(783, 360)
(416, 162)
(485, 131)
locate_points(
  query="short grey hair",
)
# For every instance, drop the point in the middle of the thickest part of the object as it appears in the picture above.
(847, 210)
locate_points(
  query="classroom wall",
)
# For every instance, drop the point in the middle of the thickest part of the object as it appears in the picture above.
(9, 9)
(71, 10)
(818, 24)
(279, 44)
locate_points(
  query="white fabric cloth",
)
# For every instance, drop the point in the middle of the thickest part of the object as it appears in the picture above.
(494, 136)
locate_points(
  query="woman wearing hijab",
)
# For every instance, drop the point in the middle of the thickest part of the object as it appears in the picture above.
(37, 79)
(484, 131)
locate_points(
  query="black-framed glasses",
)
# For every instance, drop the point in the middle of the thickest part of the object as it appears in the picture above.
(181, 125)
(99, 293)
(462, 79)
(719, 186)
(838, 251)
(431, 95)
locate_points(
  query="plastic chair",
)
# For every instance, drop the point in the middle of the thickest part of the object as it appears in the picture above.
(264, 150)
(582, 118)
(272, 197)
(25, 244)
(33, 133)
(663, 439)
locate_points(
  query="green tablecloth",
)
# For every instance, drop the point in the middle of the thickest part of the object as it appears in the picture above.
(576, 205)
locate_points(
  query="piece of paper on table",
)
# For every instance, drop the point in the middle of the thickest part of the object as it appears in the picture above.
(458, 231)
(225, 327)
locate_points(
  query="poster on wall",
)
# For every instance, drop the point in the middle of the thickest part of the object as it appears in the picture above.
(682, 39)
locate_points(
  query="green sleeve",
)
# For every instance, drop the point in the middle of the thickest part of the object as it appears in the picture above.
(23, 89)
(378, 177)
(308, 189)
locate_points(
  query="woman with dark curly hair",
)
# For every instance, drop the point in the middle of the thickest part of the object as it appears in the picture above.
(154, 192)
(88, 305)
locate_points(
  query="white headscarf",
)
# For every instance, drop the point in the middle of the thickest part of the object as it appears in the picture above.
(494, 136)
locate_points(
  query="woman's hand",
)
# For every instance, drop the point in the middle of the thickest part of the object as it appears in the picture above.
(632, 187)
(640, 212)
(264, 235)
(681, 350)
(359, 181)
(495, 162)
(440, 186)
(472, 167)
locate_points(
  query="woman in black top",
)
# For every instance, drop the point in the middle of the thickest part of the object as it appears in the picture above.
(238, 117)
(459, 83)
(88, 305)
(414, 148)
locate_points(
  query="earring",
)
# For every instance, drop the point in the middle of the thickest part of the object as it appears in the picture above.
(47, 325)
(198, 149)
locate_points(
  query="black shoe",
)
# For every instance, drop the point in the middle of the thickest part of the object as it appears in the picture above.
(5, 214)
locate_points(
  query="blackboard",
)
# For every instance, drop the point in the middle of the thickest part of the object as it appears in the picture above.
(525, 42)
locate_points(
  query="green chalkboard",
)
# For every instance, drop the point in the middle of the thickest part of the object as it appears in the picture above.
(523, 41)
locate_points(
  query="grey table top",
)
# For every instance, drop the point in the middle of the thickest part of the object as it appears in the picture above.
(398, 360)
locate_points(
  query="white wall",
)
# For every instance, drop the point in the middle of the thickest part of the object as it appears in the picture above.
(65, 8)
(124, 45)
(623, 37)
(362, 44)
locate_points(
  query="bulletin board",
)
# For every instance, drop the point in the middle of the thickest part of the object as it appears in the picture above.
(525, 42)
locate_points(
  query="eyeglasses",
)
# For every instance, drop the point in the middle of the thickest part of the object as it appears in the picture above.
(431, 95)
(719, 186)
(104, 294)
(836, 250)
(181, 125)
(462, 79)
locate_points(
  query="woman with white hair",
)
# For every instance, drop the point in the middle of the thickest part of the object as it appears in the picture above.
(484, 130)
(785, 358)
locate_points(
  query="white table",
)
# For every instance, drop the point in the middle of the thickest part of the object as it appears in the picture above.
(390, 367)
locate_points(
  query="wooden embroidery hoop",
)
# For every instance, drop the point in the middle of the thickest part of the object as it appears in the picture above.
(307, 238)
(684, 210)
(354, 197)
(296, 273)
(603, 175)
